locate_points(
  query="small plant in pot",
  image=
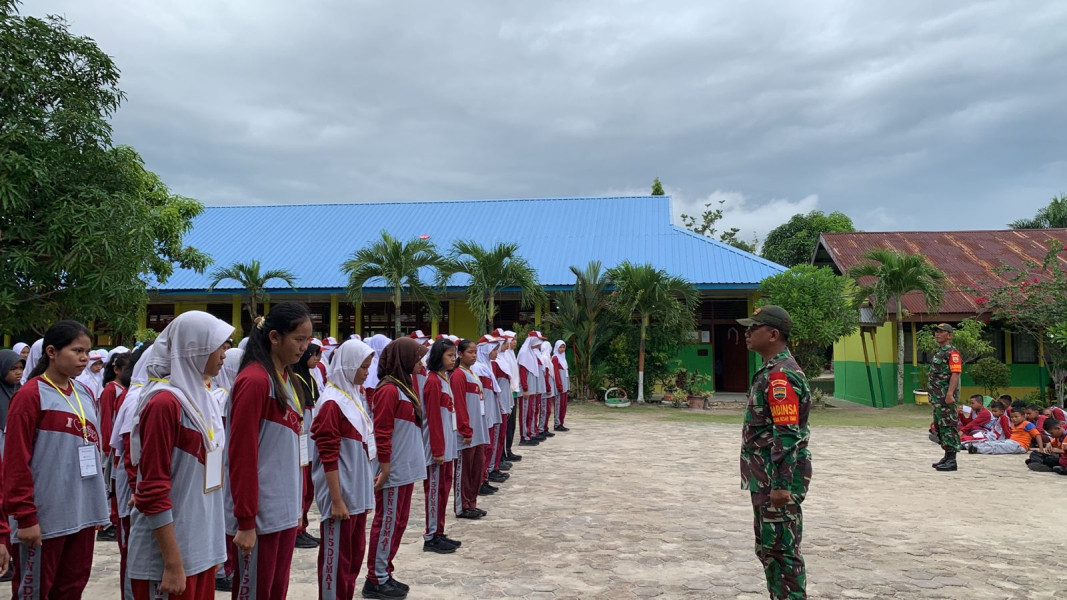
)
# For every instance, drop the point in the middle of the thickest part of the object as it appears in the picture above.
(694, 389)
(922, 385)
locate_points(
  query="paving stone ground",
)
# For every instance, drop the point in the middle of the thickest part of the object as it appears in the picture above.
(636, 507)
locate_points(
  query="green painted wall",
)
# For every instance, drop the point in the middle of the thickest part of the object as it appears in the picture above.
(692, 361)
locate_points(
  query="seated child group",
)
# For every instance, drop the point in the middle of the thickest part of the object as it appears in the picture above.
(1014, 427)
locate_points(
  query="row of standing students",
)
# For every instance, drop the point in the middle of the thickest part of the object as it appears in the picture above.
(211, 474)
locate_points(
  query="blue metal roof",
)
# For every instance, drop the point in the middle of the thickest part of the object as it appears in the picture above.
(313, 240)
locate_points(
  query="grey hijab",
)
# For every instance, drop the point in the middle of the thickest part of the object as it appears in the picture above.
(8, 359)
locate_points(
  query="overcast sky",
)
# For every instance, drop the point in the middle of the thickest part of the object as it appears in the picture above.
(904, 115)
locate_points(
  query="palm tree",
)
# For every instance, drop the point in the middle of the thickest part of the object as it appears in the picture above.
(398, 264)
(490, 271)
(583, 318)
(896, 274)
(252, 280)
(651, 293)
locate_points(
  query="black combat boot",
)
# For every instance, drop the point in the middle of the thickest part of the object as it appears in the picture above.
(942, 461)
(949, 464)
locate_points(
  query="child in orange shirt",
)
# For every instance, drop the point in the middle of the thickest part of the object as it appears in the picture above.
(1018, 442)
(1053, 457)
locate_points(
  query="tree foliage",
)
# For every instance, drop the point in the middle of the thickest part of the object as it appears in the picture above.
(1053, 215)
(653, 297)
(969, 338)
(823, 306)
(254, 280)
(991, 375)
(705, 225)
(490, 270)
(397, 264)
(892, 275)
(84, 227)
(1034, 302)
(793, 242)
(584, 320)
(657, 188)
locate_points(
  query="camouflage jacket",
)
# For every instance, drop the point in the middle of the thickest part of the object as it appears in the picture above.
(774, 438)
(945, 362)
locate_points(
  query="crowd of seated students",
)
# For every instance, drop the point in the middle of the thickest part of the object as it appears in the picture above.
(1014, 427)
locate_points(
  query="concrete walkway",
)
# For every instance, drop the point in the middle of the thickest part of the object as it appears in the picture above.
(634, 507)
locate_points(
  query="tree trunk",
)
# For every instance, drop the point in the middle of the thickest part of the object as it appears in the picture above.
(489, 317)
(900, 356)
(641, 361)
(396, 313)
(252, 306)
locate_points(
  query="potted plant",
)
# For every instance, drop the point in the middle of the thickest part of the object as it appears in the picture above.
(694, 390)
(922, 385)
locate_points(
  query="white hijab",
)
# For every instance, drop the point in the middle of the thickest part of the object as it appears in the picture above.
(508, 357)
(19, 347)
(484, 367)
(346, 361)
(528, 354)
(182, 352)
(560, 356)
(34, 357)
(546, 357)
(138, 379)
(377, 343)
(228, 374)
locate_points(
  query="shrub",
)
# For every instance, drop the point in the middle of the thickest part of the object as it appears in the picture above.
(991, 375)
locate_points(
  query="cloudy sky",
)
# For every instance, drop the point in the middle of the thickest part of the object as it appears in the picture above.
(905, 115)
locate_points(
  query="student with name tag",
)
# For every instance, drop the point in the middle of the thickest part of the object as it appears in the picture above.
(483, 370)
(439, 436)
(398, 420)
(343, 467)
(305, 370)
(177, 534)
(52, 477)
(266, 448)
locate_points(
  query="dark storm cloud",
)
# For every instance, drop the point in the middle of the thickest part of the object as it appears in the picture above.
(904, 116)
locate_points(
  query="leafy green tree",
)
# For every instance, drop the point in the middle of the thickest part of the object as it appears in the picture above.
(397, 264)
(489, 271)
(793, 242)
(1051, 216)
(991, 375)
(1033, 302)
(657, 188)
(895, 274)
(652, 295)
(254, 280)
(824, 308)
(969, 338)
(705, 226)
(585, 321)
(84, 227)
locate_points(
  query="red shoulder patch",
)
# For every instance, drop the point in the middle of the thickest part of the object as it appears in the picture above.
(783, 400)
(955, 363)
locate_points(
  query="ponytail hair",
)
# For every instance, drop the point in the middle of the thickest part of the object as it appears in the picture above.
(118, 361)
(283, 318)
(463, 345)
(58, 336)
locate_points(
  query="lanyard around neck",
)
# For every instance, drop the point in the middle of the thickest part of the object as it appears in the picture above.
(353, 401)
(80, 411)
(292, 391)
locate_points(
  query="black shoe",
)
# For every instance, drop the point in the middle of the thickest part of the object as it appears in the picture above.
(1056, 470)
(389, 589)
(940, 462)
(497, 477)
(438, 545)
(224, 584)
(547, 433)
(106, 534)
(470, 513)
(1039, 467)
(455, 543)
(562, 428)
(480, 511)
(511, 457)
(948, 465)
(400, 584)
(972, 449)
(505, 465)
(304, 540)
(529, 442)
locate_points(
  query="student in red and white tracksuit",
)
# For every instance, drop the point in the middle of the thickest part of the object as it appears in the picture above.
(507, 407)
(401, 459)
(304, 371)
(471, 429)
(343, 459)
(439, 437)
(551, 393)
(177, 529)
(264, 452)
(483, 370)
(52, 478)
(531, 382)
(563, 383)
(377, 342)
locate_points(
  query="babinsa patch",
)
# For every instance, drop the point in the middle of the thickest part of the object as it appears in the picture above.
(783, 400)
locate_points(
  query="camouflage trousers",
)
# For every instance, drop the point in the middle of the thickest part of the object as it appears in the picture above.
(778, 535)
(947, 425)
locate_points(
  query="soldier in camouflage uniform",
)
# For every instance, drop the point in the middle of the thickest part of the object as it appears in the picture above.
(775, 461)
(945, 369)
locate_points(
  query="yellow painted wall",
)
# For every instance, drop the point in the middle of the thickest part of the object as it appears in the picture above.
(184, 307)
(461, 321)
(851, 348)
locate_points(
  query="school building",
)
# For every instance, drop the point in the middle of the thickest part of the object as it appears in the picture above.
(552, 233)
(865, 363)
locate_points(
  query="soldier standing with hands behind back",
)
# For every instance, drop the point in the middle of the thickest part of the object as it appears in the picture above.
(775, 461)
(945, 369)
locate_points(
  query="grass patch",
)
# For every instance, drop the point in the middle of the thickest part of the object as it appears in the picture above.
(907, 416)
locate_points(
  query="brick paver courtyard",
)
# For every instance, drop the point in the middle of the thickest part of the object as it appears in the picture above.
(632, 506)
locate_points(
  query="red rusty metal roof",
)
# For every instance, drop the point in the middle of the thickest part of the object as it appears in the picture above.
(968, 258)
